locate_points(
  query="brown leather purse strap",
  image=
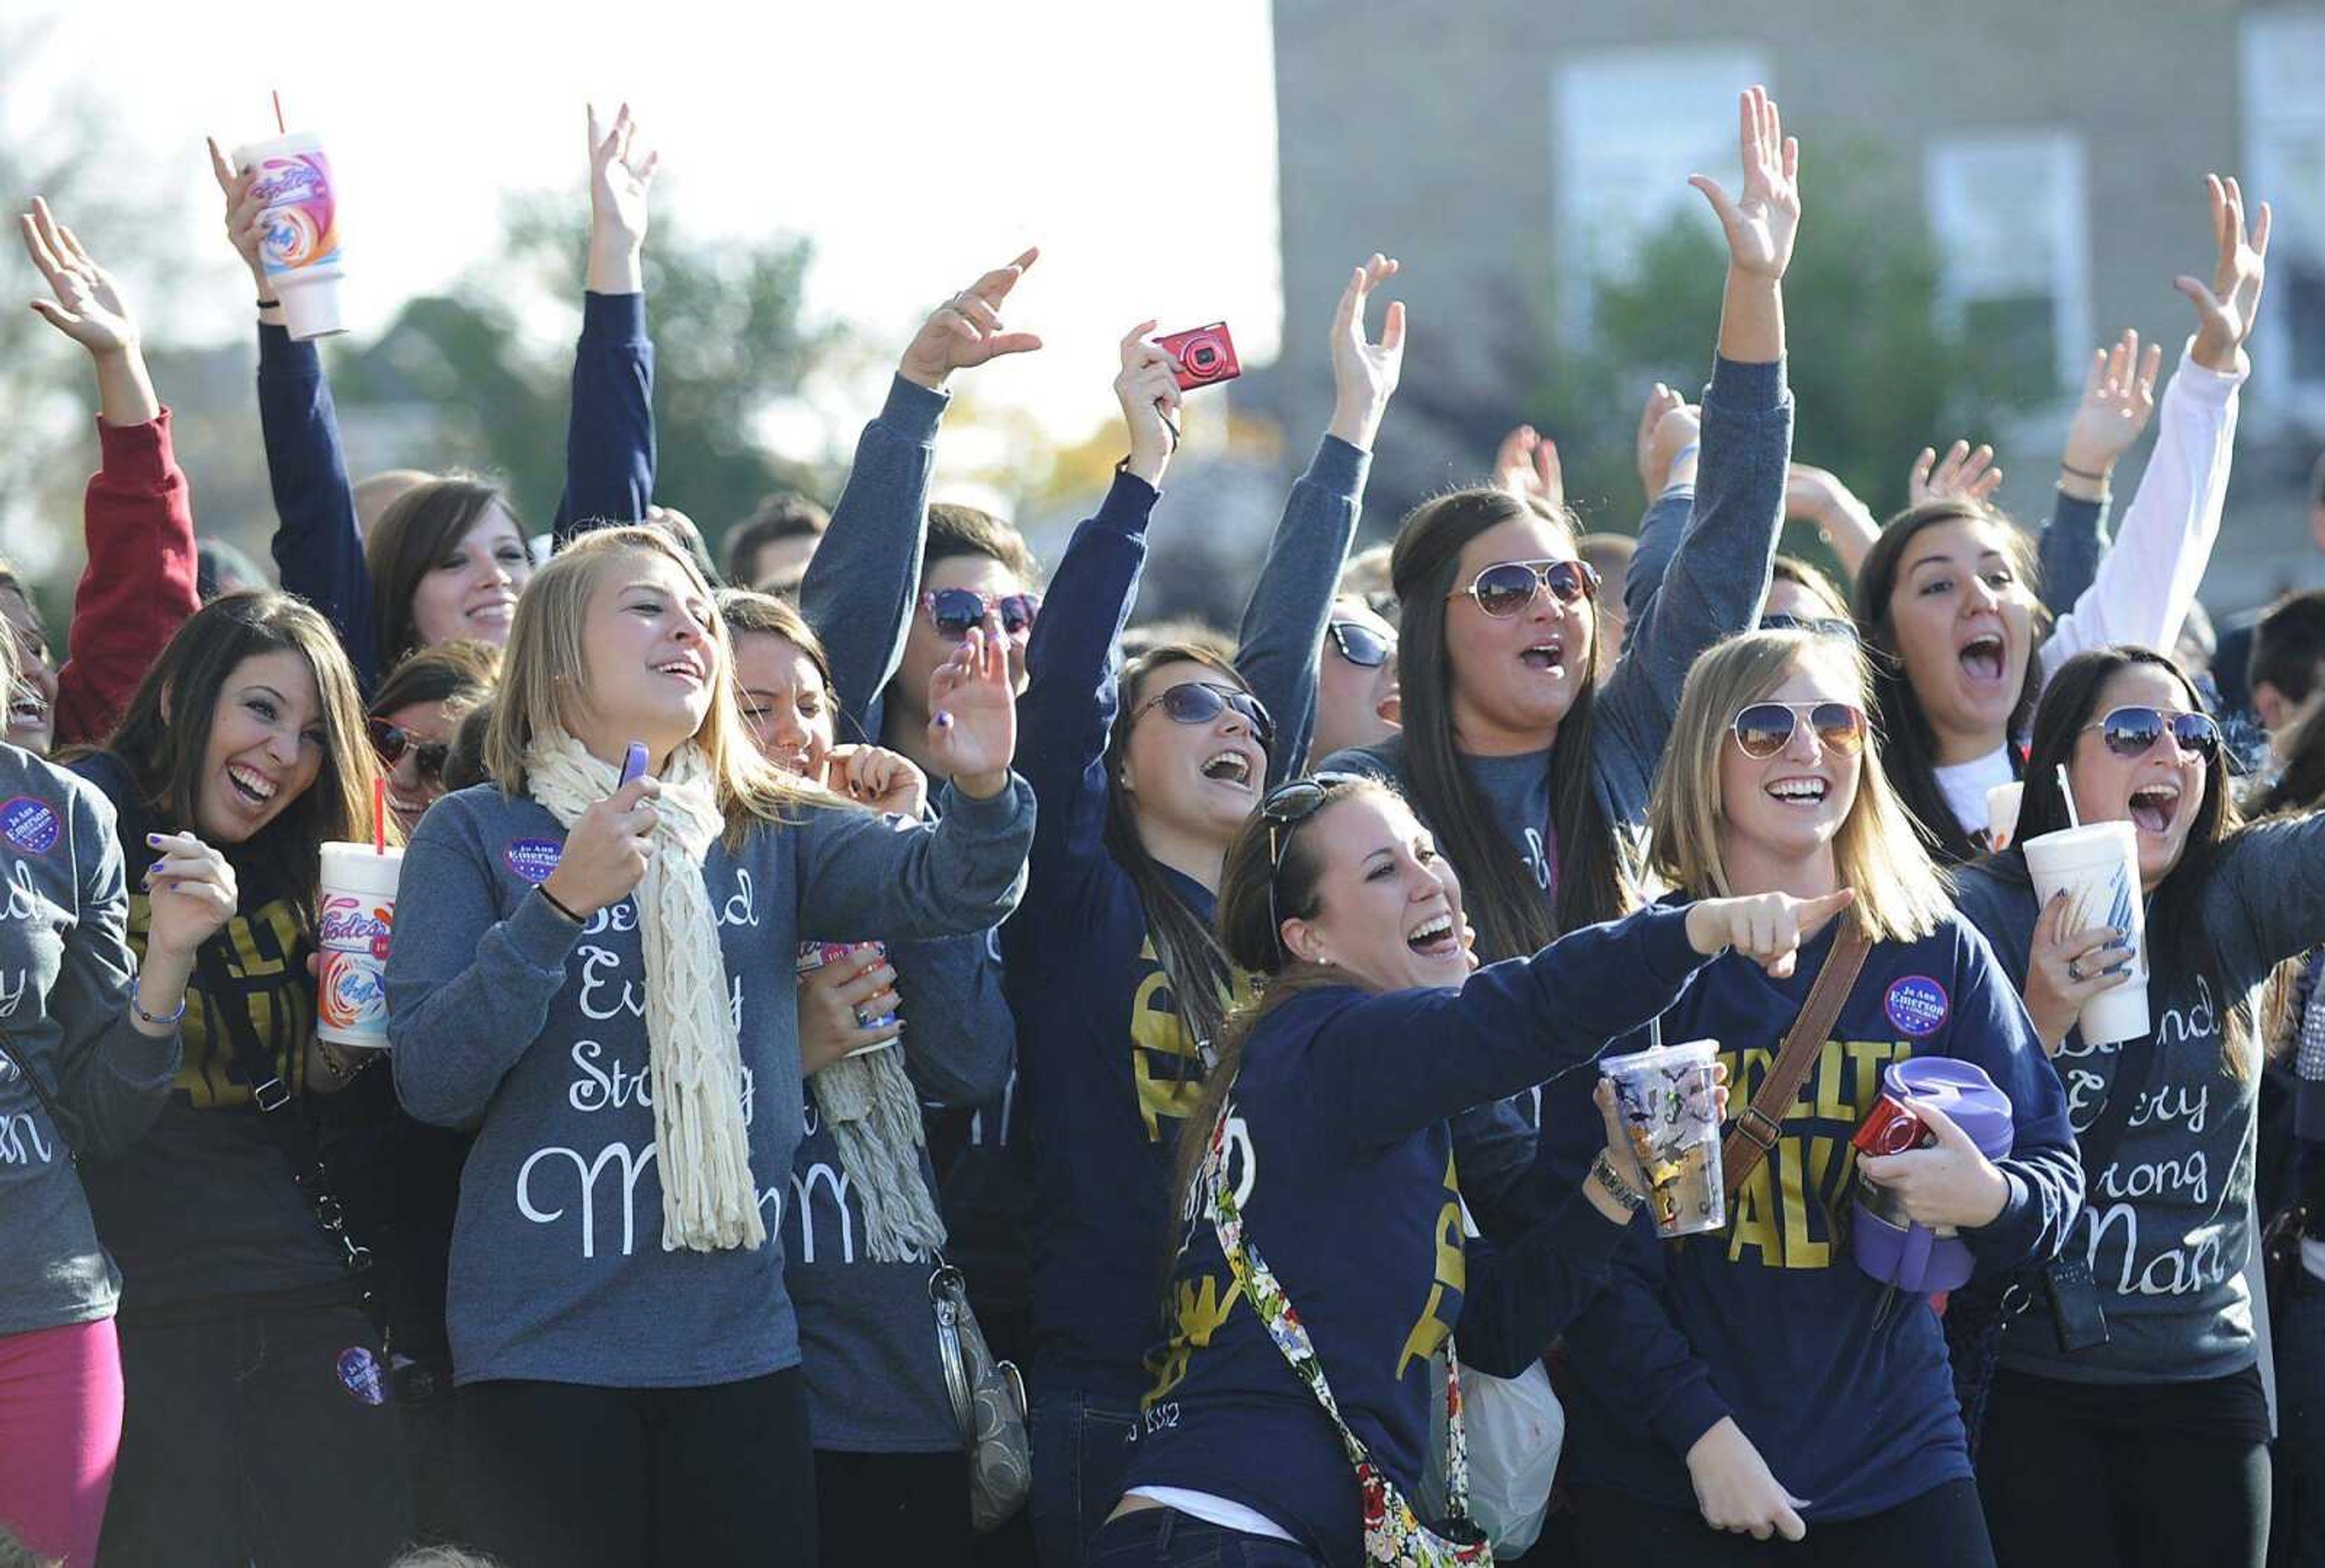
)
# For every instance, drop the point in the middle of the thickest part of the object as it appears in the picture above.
(1756, 1129)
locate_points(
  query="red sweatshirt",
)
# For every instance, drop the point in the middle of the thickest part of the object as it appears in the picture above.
(138, 587)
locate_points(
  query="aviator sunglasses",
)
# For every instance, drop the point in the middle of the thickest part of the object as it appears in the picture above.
(391, 742)
(1361, 645)
(1283, 808)
(2133, 732)
(1765, 728)
(1201, 702)
(953, 610)
(1507, 588)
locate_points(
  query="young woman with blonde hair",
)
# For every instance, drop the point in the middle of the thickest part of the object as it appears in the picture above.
(1753, 1376)
(599, 975)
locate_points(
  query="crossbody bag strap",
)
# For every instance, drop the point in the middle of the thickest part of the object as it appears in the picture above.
(39, 1092)
(1758, 1128)
(279, 1122)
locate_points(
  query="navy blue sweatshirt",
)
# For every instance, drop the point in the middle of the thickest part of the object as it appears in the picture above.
(1339, 1144)
(1770, 1322)
(319, 545)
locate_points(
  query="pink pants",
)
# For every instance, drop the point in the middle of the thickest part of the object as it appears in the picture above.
(59, 1434)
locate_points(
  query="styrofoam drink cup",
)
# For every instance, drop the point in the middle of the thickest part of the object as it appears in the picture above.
(2098, 865)
(814, 955)
(355, 923)
(2002, 814)
(1669, 1097)
(298, 240)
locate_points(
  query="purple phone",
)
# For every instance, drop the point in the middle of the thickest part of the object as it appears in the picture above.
(633, 764)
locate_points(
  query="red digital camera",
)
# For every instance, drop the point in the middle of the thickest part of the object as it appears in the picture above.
(1206, 356)
(1891, 1127)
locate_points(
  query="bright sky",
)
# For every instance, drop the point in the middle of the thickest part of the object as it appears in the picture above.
(915, 143)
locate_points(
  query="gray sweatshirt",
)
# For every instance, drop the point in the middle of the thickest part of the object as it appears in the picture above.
(66, 977)
(506, 1015)
(2167, 1225)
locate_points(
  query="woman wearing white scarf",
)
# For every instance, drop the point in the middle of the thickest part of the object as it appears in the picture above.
(576, 963)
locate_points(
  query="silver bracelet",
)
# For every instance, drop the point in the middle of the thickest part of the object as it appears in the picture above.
(1602, 1171)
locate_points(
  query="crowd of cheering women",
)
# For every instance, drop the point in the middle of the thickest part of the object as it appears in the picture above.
(1218, 1016)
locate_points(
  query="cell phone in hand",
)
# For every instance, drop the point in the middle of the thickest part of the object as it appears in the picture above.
(1206, 356)
(633, 765)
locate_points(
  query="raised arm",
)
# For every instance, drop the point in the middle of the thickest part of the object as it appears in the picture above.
(1070, 697)
(317, 544)
(2119, 400)
(1718, 575)
(1670, 442)
(609, 442)
(1281, 639)
(2145, 584)
(138, 586)
(862, 583)
(1845, 524)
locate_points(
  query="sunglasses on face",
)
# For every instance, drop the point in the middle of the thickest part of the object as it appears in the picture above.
(1285, 807)
(1201, 702)
(953, 610)
(1507, 588)
(391, 742)
(1765, 728)
(2133, 732)
(1820, 626)
(1361, 645)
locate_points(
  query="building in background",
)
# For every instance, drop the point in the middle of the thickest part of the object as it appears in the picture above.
(1509, 151)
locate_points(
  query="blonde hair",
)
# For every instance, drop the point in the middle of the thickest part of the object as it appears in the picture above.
(1901, 893)
(545, 668)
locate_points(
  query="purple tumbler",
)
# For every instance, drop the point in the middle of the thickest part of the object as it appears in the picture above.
(1888, 1245)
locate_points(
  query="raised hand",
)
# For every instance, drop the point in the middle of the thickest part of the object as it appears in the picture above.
(1364, 374)
(191, 893)
(1670, 452)
(965, 331)
(2119, 400)
(1654, 464)
(621, 176)
(1965, 476)
(1527, 467)
(1761, 223)
(1842, 520)
(1951, 1183)
(2067, 967)
(1147, 388)
(1768, 928)
(245, 214)
(2224, 311)
(973, 712)
(88, 308)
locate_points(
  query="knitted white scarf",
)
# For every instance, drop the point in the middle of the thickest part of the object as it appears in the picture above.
(876, 1120)
(701, 1139)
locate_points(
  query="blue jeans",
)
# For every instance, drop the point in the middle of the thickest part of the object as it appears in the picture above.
(1165, 1537)
(2301, 1392)
(1081, 1444)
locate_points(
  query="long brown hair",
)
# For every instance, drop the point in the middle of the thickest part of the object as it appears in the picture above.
(545, 678)
(1506, 904)
(1185, 945)
(1248, 934)
(165, 734)
(2179, 940)
(1909, 745)
(411, 538)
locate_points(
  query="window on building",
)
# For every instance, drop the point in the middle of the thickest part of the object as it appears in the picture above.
(1628, 127)
(2006, 209)
(2284, 165)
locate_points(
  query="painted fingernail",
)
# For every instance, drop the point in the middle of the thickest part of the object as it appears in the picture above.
(153, 841)
(2123, 968)
(2120, 943)
(944, 721)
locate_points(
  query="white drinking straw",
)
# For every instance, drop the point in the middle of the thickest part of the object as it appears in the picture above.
(2067, 795)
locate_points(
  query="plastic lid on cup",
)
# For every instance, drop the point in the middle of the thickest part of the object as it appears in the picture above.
(1963, 1091)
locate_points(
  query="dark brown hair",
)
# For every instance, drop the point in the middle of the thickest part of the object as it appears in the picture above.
(1506, 904)
(165, 734)
(785, 515)
(1909, 747)
(958, 530)
(411, 540)
(462, 672)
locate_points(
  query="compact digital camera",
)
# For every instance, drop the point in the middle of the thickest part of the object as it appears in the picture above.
(1206, 356)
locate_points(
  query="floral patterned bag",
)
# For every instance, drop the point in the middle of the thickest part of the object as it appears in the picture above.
(1394, 1534)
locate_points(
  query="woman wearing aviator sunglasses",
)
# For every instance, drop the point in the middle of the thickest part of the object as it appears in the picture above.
(416, 710)
(1755, 1380)
(2160, 1434)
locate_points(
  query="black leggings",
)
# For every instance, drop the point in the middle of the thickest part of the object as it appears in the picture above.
(561, 1476)
(2064, 1483)
(1940, 1529)
(894, 1508)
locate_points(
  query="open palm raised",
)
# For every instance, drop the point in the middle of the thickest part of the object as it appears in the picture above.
(88, 307)
(1761, 224)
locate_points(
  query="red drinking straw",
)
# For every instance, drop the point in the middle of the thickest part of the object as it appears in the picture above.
(280, 128)
(379, 815)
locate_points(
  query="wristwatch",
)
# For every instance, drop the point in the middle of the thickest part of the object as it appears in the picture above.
(1602, 1172)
